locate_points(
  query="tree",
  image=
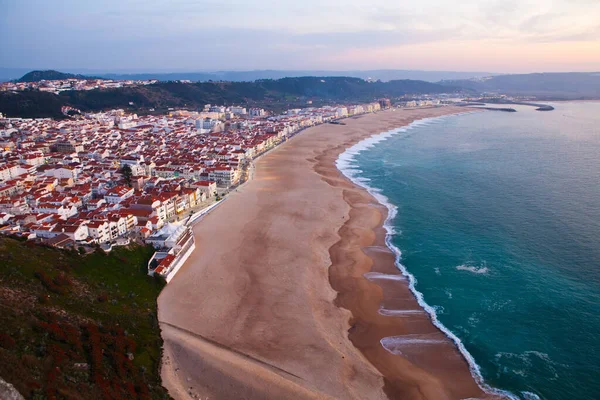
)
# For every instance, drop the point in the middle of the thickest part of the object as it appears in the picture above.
(127, 174)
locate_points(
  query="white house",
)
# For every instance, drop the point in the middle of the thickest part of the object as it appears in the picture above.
(76, 232)
(118, 194)
(341, 112)
(207, 124)
(208, 188)
(63, 172)
(237, 110)
(99, 230)
(224, 176)
(64, 210)
(9, 171)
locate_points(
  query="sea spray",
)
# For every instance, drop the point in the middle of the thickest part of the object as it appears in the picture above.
(400, 313)
(481, 270)
(346, 163)
(396, 344)
(378, 275)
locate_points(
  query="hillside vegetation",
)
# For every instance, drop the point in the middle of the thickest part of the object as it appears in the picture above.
(274, 94)
(49, 75)
(79, 327)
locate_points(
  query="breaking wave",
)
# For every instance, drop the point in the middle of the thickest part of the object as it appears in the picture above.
(390, 277)
(475, 270)
(346, 163)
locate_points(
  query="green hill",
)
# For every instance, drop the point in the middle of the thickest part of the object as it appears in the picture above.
(79, 327)
(49, 75)
(274, 94)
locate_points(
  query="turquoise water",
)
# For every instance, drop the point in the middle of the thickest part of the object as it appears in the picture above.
(498, 219)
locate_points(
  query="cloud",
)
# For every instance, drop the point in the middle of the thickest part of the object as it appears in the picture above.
(242, 34)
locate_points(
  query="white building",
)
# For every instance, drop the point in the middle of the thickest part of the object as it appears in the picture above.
(341, 112)
(223, 176)
(207, 124)
(180, 242)
(207, 188)
(118, 194)
(238, 110)
(99, 230)
(64, 172)
(9, 171)
(257, 112)
(76, 232)
(65, 211)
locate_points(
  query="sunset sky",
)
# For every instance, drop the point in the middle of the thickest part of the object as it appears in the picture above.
(197, 35)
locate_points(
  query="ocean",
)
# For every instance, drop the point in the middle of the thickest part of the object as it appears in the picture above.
(495, 218)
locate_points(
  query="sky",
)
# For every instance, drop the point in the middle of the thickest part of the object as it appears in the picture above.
(508, 36)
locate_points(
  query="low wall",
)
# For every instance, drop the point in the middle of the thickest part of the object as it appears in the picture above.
(179, 261)
(196, 216)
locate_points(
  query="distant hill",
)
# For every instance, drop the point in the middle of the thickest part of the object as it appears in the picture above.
(249, 76)
(274, 94)
(568, 85)
(7, 74)
(49, 75)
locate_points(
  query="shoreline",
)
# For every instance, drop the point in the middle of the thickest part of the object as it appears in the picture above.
(347, 165)
(298, 318)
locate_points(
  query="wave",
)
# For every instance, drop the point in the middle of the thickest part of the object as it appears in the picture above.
(399, 313)
(526, 362)
(475, 270)
(346, 163)
(390, 277)
(530, 396)
(394, 344)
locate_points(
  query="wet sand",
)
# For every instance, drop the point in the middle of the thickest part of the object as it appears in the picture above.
(274, 304)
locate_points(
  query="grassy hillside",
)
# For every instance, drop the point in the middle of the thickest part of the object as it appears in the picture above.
(79, 327)
(273, 94)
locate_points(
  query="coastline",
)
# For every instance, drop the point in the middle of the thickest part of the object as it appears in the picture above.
(346, 164)
(245, 320)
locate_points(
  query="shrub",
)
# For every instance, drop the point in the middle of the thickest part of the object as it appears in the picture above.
(103, 298)
(30, 361)
(64, 267)
(6, 341)
(62, 280)
(44, 299)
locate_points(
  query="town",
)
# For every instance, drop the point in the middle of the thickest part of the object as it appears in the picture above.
(103, 179)
(60, 85)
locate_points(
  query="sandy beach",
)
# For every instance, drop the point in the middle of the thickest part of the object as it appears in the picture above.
(274, 302)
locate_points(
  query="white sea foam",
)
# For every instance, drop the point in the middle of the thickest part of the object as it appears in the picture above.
(527, 360)
(399, 313)
(395, 344)
(389, 277)
(438, 309)
(530, 396)
(475, 270)
(473, 320)
(346, 164)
